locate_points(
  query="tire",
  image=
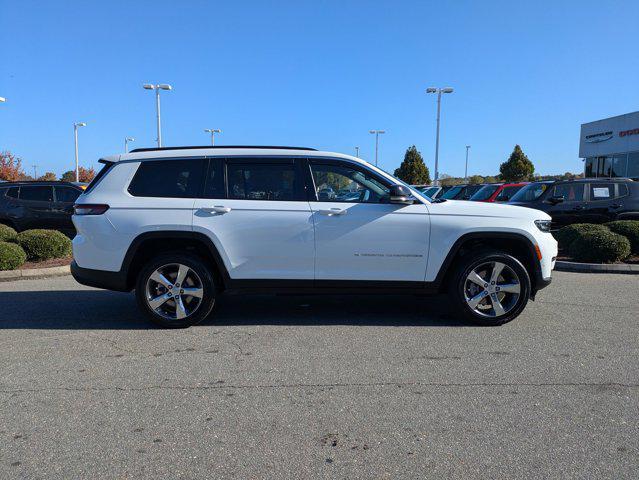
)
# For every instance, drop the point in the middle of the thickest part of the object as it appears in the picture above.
(157, 282)
(499, 303)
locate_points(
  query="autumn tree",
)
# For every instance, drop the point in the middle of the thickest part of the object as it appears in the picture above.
(10, 167)
(48, 177)
(413, 170)
(517, 168)
(86, 174)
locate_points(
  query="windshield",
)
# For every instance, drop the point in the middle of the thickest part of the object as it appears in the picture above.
(429, 192)
(484, 193)
(453, 192)
(530, 192)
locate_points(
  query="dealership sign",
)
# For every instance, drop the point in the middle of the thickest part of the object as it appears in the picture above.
(625, 133)
(599, 137)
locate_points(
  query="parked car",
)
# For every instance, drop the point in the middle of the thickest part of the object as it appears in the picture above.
(461, 192)
(27, 205)
(433, 191)
(182, 225)
(497, 192)
(589, 200)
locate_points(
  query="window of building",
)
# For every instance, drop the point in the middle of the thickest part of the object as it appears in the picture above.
(619, 165)
(633, 165)
(590, 169)
(66, 194)
(36, 193)
(259, 181)
(168, 178)
(336, 183)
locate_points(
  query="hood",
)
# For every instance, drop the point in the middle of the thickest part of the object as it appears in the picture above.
(486, 209)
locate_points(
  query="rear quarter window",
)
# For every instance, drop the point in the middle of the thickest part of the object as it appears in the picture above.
(168, 178)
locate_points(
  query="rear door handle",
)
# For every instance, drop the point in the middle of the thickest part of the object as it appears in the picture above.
(334, 211)
(578, 207)
(217, 209)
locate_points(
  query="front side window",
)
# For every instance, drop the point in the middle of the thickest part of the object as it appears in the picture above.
(66, 194)
(13, 192)
(337, 183)
(260, 181)
(452, 192)
(601, 191)
(168, 178)
(572, 192)
(530, 192)
(484, 193)
(36, 194)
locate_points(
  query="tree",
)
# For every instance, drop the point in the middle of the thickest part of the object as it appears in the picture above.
(476, 179)
(10, 167)
(413, 170)
(86, 174)
(48, 177)
(517, 167)
(68, 176)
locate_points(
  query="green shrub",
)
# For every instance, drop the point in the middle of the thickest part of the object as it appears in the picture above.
(44, 244)
(12, 256)
(629, 229)
(566, 235)
(7, 234)
(599, 247)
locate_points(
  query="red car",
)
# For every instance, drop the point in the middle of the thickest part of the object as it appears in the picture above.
(497, 192)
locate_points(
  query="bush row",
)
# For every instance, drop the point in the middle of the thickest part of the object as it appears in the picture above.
(35, 245)
(607, 243)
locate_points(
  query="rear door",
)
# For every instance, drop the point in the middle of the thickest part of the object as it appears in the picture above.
(601, 197)
(36, 206)
(260, 220)
(62, 207)
(364, 237)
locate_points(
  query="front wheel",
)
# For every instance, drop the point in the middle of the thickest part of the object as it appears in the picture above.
(175, 290)
(490, 287)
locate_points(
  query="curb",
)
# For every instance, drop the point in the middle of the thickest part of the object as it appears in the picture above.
(597, 268)
(10, 275)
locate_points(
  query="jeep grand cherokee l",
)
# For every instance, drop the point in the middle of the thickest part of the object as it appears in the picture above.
(182, 225)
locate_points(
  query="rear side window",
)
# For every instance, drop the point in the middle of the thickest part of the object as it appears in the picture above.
(600, 191)
(259, 181)
(36, 194)
(66, 194)
(98, 177)
(622, 190)
(168, 178)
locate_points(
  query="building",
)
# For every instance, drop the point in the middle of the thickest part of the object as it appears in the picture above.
(610, 147)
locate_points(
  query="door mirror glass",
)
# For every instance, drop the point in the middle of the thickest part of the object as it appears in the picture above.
(401, 195)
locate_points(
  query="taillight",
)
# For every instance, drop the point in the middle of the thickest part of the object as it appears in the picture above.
(90, 209)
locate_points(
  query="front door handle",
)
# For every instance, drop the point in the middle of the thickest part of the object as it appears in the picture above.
(578, 207)
(217, 209)
(334, 211)
(616, 205)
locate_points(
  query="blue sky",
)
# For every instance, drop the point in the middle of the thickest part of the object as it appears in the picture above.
(316, 73)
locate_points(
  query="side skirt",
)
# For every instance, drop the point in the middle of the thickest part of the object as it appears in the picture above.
(330, 287)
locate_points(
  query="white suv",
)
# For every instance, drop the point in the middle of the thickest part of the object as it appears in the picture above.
(182, 225)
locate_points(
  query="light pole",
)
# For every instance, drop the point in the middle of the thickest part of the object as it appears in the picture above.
(377, 134)
(157, 88)
(213, 131)
(2, 99)
(466, 169)
(126, 143)
(439, 92)
(357, 152)
(75, 137)
(35, 172)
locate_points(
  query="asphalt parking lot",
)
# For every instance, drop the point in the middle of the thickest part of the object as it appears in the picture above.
(320, 387)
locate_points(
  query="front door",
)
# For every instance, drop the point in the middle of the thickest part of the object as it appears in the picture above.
(359, 235)
(571, 209)
(260, 221)
(36, 203)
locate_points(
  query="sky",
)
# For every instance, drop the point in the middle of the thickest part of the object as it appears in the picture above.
(318, 74)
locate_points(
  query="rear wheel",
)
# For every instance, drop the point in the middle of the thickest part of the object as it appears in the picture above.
(175, 290)
(490, 287)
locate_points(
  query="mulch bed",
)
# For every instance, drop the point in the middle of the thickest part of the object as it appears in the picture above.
(54, 262)
(633, 260)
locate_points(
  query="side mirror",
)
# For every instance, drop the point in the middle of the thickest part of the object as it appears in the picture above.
(556, 199)
(399, 194)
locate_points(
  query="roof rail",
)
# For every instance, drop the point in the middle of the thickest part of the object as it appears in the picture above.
(191, 147)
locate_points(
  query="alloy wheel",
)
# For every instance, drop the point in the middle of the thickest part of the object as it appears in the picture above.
(492, 289)
(174, 291)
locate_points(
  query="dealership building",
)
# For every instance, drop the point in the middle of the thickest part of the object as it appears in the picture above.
(610, 147)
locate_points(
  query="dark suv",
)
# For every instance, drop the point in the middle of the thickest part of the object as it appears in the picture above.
(589, 200)
(26, 205)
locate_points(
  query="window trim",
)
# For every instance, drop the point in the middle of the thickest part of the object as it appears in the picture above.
(312, 190)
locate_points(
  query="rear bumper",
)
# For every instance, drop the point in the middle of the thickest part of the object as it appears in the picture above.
(99, 278)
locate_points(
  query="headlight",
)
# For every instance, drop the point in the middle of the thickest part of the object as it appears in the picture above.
(543, 225)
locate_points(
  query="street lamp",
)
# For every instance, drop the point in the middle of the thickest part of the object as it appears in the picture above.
(157, 88)
(466, 169)
(126, 143)
(2, 99)
(213, 131)
(357, 152)
(439, 92)
(377, 134)
(75, 137)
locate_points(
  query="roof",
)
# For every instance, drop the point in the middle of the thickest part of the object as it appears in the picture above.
(192, 147)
